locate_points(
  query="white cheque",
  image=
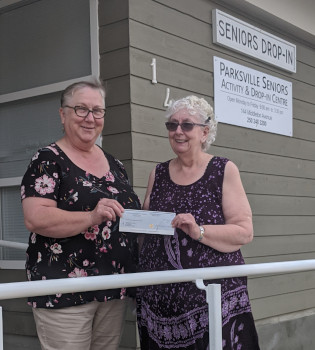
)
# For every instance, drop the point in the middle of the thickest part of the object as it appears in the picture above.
(146, 221)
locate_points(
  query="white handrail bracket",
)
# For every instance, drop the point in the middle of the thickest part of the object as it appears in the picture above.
(213, 297)
(1, 329)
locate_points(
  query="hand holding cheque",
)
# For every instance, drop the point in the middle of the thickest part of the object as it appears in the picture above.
(146, 221)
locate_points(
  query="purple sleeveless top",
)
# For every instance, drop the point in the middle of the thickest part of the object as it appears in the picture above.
(175, 315)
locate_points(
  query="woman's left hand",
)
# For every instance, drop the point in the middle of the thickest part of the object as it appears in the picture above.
(187, 223)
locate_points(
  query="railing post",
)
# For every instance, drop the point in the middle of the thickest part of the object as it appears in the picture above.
(213, 295)
(1, 329)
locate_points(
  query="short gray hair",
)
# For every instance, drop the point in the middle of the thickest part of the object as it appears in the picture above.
(71, 89)
(199, 107)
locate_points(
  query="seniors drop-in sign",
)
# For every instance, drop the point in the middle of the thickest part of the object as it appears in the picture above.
(240, 36)
(252, 99)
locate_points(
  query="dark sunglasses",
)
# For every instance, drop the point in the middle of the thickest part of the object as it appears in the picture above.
(186, 126)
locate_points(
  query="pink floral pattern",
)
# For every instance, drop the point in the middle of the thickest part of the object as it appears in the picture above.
(77, 273)
(44, 185)
(110, 177)
(101, 249)
(92, 232)
(112, 189)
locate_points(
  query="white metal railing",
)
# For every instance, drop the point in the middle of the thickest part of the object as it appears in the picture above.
(17, 245)
(67, 285)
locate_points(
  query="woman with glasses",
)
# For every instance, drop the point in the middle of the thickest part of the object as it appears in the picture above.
(213, 221)
(73, 194)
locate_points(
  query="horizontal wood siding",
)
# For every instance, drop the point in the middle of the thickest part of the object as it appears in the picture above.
(115, 72)
(278, 172)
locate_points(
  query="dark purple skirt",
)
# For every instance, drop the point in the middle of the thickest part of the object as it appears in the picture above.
(238, 334)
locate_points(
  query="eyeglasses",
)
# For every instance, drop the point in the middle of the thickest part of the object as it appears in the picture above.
(186, 126)
(83, 112)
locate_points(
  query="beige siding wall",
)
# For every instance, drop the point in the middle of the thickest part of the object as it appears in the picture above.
(278, 171)
(115, 72)
(290, 11)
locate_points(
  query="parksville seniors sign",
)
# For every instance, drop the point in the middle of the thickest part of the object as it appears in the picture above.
(240, 36)
(251, 99)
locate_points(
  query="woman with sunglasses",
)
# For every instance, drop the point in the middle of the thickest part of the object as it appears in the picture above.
(213, 221)
(73, 194)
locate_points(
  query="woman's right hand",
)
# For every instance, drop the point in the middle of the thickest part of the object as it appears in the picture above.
(42, 216)
(106, 209)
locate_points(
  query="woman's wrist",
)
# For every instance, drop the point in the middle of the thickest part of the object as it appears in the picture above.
(90, 216)
(202, 232)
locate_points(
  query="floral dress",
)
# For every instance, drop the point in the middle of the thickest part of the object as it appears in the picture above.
(175, 316)
(101, 249)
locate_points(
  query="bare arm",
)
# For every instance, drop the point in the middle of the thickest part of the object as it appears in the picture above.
(42, 216)
(238, 227)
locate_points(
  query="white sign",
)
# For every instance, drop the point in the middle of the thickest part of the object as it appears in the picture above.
(252, 99)
(231, 32)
